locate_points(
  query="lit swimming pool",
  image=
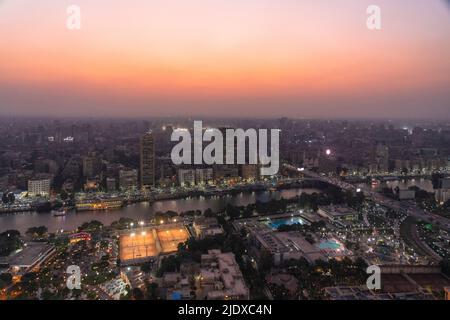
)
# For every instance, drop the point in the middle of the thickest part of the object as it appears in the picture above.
(330, 245)
(275, 224)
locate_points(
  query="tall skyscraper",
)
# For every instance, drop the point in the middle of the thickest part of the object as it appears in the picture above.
(147, 159)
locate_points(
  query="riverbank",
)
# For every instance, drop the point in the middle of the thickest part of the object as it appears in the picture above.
(143, 210)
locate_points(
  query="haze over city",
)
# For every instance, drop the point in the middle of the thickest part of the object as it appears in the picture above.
(255, 58)
(250, 156)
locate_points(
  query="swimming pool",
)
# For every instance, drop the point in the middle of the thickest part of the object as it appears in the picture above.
(275, 224)
(330, 245)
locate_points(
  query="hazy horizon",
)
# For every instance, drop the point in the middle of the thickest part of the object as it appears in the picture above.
(255, 59)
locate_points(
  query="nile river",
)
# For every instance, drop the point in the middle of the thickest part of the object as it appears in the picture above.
(139, 211)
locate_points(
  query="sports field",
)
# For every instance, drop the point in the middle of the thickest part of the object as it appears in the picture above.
(137, 245)
(142, 244)
(170, 238)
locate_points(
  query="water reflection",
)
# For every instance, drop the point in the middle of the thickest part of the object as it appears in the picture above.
(139, 211)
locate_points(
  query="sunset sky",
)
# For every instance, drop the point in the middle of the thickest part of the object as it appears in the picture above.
(231, 58)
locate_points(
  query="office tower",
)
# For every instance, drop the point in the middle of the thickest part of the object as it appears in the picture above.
(382, 157)
(147, 159)
(186, 177)
(128, 179)
(39, 187)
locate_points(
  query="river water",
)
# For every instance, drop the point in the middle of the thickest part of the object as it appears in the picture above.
(422, 183)
(145, 211)
(139, 211)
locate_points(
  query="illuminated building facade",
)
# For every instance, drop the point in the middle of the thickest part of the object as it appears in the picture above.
(147, 160)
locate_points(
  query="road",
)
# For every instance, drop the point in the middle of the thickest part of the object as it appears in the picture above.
(102, 295)
(411, 210)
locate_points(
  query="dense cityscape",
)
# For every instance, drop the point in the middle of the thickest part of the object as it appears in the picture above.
(223, 159)
(104, 195)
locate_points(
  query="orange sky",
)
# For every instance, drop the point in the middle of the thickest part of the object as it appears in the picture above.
(225, 58)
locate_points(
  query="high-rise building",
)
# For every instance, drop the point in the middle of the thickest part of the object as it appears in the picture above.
(128, 179)
(91, 166)
(110, 184)
(203, 176)
(186, 177)
(147, 159)
(382, 157)
(39, 187)
(249, 171)
(442, 194)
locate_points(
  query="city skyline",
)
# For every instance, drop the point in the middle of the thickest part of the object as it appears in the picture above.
(263, 58)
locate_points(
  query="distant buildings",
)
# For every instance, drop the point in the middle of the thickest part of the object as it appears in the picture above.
(338, 214)
(177, 286)
(191, 177)
(31, 256)
(91, 166)
(128, 179)
(147, 160)
(382, 157)
(115, 288)
(398, 282)
(39, 187)
(111, 184)
(203, 176)
(284, 246)
(226, 172)
(92, 185)
(217, 277)
(206, 227)
(443, 192)
(249, 171)
(186, 177)
(220, 277)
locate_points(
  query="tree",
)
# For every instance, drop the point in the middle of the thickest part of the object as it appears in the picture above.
(147, 267)
(29, 282)
(168, 264)
(265, 262)
(8, 198)
(209, 213)
(9, 241)
(445, 267)
(5, 280)
(94, 225)
(152, 291)
(64, 195)
(279, 292)
(37, 232)
(137, 294)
